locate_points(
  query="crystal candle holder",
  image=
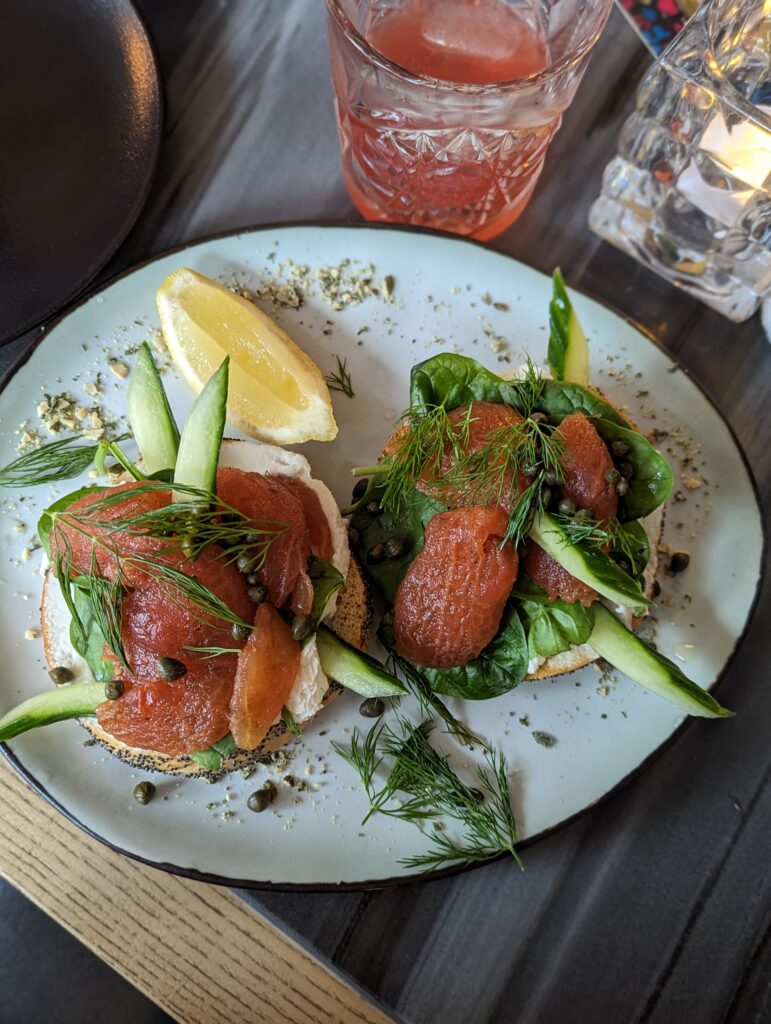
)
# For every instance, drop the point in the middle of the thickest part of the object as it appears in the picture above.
(689, 193)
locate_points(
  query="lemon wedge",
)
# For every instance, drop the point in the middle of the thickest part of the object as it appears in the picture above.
(277, 393)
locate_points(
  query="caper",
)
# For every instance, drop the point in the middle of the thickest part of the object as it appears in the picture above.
(261, 799)
(353, 536)
(253, 538)
(624, 564)
(360, 487)
(170, 668)
(584, 514)
(394, 547)
(373, 507)
(530, 470)
(253, 579)
(551, 476)
(656, 590)
(478, 795)
(240, 631)
(258, 594)
(60, 675)
(245, 563)
(376, 553)
(567, 507)
(539, 417)
(611, 475)
(315, 568)
(113, 689)
(143, 792)
(301, 626)
(622, 487)
(626, 469)
(679, 561)
(372, 707)
(546, 496)
(619, 448)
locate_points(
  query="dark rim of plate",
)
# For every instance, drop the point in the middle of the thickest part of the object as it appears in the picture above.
(397, 880)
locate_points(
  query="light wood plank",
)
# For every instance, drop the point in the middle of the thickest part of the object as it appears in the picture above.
(196, 950)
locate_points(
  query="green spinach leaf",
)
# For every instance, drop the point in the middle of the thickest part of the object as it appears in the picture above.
(559, 399)
(46, 521)
(452, 380)
(407, 525)
(90, 642)
(652, 481)
(211, 758)
(552, 627)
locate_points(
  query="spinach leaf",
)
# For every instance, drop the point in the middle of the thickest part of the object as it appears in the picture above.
(452, 380)
(551, 626)
(326, 583)
(89, 643)
(559, 399)
(211, 758)
(500, 667)
(408, 524)
(652, 481)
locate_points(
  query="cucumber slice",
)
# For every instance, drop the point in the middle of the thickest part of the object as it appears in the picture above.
(150, 415)
(587, 564)
(354, 669)
(568, 353)
(199, 446)
(70, 701)
(618, 645)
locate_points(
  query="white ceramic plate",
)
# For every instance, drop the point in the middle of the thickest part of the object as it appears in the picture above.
(444, 296)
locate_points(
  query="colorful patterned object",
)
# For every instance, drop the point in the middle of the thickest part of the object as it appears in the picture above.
(657, 21)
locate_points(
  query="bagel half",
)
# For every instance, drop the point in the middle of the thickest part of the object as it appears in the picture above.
(351, 620)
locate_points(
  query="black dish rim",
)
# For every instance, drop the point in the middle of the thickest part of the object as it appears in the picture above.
(411, 879)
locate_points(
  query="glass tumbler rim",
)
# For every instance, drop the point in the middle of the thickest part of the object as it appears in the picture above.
(573, 56)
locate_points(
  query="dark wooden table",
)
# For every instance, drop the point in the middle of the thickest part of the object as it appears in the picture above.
(656, 905)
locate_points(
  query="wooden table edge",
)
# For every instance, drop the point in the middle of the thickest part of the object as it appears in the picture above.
(196, 950)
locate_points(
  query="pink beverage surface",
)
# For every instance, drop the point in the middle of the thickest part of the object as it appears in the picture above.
(466, 179)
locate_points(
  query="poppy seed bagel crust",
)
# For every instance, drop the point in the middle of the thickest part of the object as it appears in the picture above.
(352, 620)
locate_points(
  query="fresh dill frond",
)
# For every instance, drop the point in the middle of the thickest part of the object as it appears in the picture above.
(601, 535)
(58, 460)
(341, 380)
(433, 790)
(288, 719)
(184, 590)
(212, 651)
(105, 598)
(430, 703)
(526, 390)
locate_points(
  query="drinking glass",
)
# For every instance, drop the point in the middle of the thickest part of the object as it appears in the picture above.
(689, 193)
(446, 107)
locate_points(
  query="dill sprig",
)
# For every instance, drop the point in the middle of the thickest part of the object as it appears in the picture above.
(429, 702)
(434, 790)
(340, 381)
(211, 651)
(602, 535)
(60, 460)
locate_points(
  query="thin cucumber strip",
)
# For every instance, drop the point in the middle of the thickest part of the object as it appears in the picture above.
(199, 446)
(354, 669)
(150, 415)
(587, 564)
(627, 652)
(568, 352)
(70, 701)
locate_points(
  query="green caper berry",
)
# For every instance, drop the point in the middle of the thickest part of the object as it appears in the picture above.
(394, 547)
(551, 476)
(546, 496)
(315, 568)
(583, 515)
(611, 475)
(301, 626)
(60, 675)
(679, 561)
(143, 792)
(258, 594)
(353, 536)
(626, 469)
(656, 590)
(241, 632)
(622, 487)
(619, 448)
(245, 563)
(373, 507)
(261, 799)
(376, 553)
(170, 668)
(567, 507)
(253, 538)
(624, 564)
(372, 707)
(539, 417)
(360, 487)
(253, 579)
(113, 689)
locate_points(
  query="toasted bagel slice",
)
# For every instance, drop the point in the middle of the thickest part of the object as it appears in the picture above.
(350, 617)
